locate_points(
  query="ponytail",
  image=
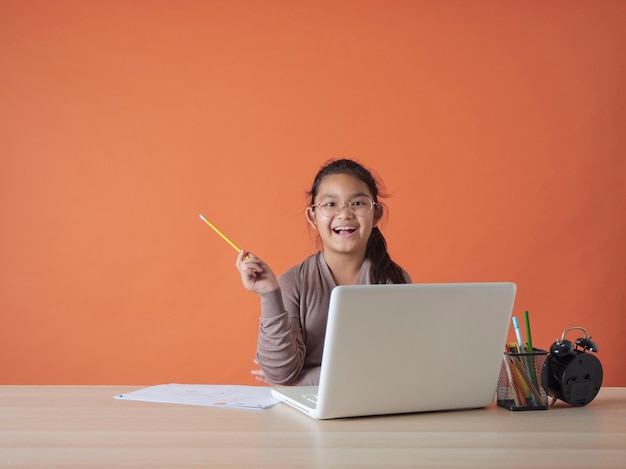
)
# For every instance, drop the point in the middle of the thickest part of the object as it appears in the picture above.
(384, 270)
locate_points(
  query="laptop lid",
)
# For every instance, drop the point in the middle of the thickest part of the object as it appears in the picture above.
(409, 348)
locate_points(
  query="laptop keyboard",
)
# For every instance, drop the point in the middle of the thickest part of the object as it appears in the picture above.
(310, 397)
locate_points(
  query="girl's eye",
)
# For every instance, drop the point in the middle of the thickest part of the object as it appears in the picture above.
(329, 204)
(361, 202)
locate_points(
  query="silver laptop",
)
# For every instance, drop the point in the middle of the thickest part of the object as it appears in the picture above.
(393, 349)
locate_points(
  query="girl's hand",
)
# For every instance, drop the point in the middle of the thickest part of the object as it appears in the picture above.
(259, 374)
(256, 275)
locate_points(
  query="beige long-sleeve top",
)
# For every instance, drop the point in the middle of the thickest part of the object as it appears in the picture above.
(293, 321)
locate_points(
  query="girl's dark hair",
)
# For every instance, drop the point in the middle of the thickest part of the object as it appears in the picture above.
(384, 270)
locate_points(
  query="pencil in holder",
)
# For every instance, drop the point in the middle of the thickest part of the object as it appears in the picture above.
(519, 385)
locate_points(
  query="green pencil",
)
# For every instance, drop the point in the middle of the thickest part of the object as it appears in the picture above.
(530, 349)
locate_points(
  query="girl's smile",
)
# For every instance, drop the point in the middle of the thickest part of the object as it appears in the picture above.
(345, 231)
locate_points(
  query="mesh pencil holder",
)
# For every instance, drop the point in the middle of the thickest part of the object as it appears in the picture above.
(519, 385)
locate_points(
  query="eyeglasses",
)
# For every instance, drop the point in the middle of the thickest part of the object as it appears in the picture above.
(361, 206)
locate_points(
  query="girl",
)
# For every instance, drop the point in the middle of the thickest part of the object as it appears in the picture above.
(345, 211)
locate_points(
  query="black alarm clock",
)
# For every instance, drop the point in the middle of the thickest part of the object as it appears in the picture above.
(571, 374)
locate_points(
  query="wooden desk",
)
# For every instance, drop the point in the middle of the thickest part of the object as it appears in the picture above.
(83, 426)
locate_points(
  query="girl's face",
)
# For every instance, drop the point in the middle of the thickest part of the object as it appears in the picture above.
(343, 232)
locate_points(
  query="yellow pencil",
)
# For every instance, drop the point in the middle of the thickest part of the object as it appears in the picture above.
(221, 234)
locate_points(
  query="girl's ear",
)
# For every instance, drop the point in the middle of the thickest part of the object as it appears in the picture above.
(310, 217)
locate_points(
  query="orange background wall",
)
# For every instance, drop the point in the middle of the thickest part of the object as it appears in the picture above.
(497, 127)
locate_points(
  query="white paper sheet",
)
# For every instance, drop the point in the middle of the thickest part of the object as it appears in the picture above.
(248, 397)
